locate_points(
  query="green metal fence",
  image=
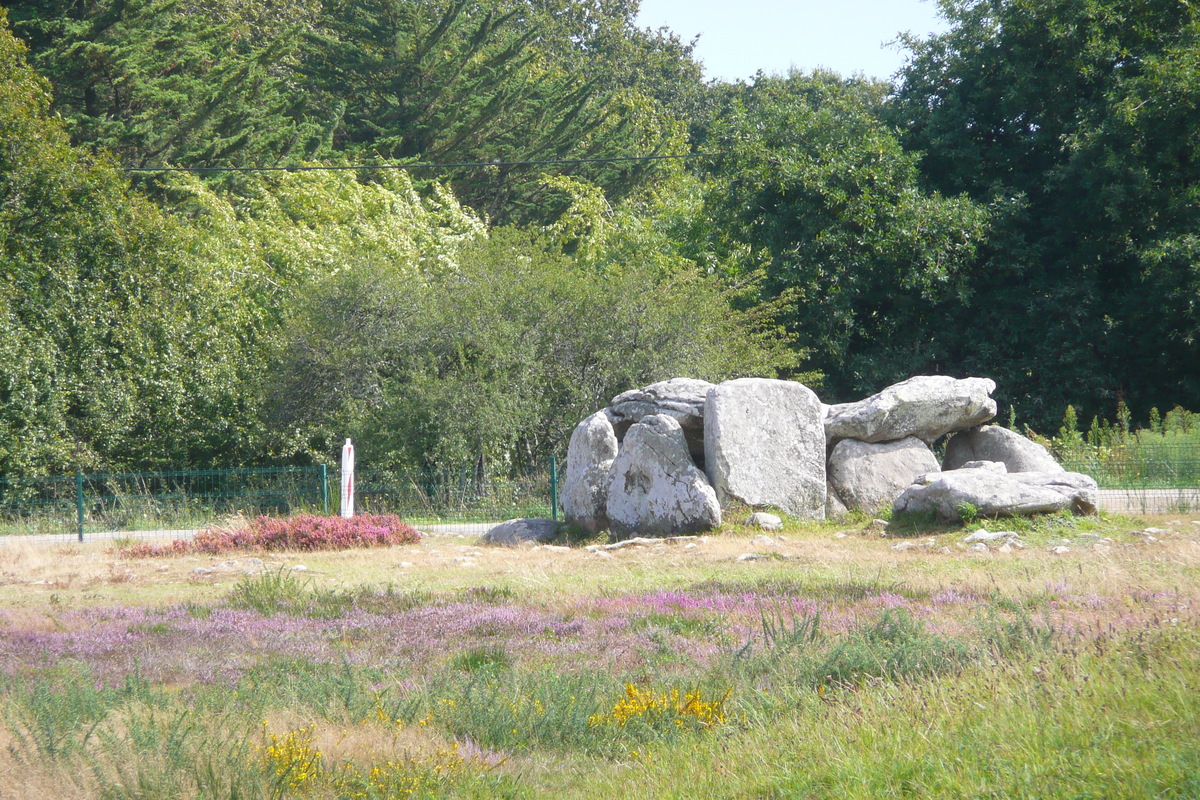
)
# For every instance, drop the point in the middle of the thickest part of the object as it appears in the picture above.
(171, 502)
(179, 499)
(1141, 477)
(1137, 465)
(457, 496)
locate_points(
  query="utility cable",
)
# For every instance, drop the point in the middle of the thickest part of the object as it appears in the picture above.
(424, 165)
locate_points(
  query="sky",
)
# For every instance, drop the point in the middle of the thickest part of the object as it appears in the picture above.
(740, 37)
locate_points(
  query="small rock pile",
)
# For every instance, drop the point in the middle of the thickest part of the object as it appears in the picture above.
(663, 459)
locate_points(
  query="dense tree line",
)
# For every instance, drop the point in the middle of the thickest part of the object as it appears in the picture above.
(1020, 204)
(1076, 121)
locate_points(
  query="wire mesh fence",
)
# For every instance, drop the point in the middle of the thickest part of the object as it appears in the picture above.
(1134, 478)
(169, 503)
(457, 501)
(1141, 477)
(175, 504)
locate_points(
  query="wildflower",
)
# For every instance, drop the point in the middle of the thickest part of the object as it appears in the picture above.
(664, 709)
(296, 760)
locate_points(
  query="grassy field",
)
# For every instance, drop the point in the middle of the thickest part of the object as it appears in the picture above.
(823, 662)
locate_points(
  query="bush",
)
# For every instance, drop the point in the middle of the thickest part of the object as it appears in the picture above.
(299, 532)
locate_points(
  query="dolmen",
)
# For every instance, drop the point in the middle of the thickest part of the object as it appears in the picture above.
(665, 459)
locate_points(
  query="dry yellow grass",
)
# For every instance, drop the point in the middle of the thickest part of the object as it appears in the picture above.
(37, 579)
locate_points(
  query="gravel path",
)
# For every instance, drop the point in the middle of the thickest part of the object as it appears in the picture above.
(167, 535)
(1116, 501)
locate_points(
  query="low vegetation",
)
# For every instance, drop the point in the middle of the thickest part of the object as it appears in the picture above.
(303, 532)
(833, 664)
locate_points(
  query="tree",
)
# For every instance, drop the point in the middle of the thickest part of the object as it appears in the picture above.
(221, 82)
(120, 349)
(813, 184)
(195, 82)
(1075, 119)
(494, 361)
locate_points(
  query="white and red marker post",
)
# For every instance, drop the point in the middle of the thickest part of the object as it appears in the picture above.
(348, 479)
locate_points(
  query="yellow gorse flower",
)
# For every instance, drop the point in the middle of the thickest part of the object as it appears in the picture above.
(297, 764)
(664, 709)
(296, 761)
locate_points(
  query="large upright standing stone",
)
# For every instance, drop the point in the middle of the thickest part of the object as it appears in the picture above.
(764, 444)
(654, 488)
(584, 492)
(926, 406)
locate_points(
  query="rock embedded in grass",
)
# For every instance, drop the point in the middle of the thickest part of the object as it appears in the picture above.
(514, 532)
(768, 522)
(982, 535)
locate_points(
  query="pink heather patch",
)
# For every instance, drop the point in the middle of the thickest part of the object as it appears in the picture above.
(948, 597)
(299, 532)
(889, 600)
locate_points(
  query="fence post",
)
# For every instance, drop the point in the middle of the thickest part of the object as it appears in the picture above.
(79, 501)
(346, 508)
(553, 488)
(324, 490)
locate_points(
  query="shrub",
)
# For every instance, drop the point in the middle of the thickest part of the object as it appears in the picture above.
(312, 532)
(270, 592)
(664, 710)
(299, 532)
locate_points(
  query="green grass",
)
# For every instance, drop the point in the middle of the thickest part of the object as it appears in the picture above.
(1068, 725)
(1019, 691)
(898, 716)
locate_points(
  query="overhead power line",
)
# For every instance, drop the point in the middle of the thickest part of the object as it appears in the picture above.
(425, 165)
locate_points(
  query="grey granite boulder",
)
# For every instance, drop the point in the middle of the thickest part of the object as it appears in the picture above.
(764, 445)
(682, 399)
(993, 494)
(584, 492)
(1080, 488)
(992, 466)
(994, 443)
(654, 489)
(834, 507)
(768, 522)
(870, 476)
(927, 406)
(518, 531)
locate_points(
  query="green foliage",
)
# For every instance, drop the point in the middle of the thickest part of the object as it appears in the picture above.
(215, 82)
(56, 719)
(494, 357)
(1021, 206)
(481, 658)
(1118, 454)
(1075, 120)
(209, 82)
(894, 647)
(121, 347)
(815, 186)
(270, 593)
